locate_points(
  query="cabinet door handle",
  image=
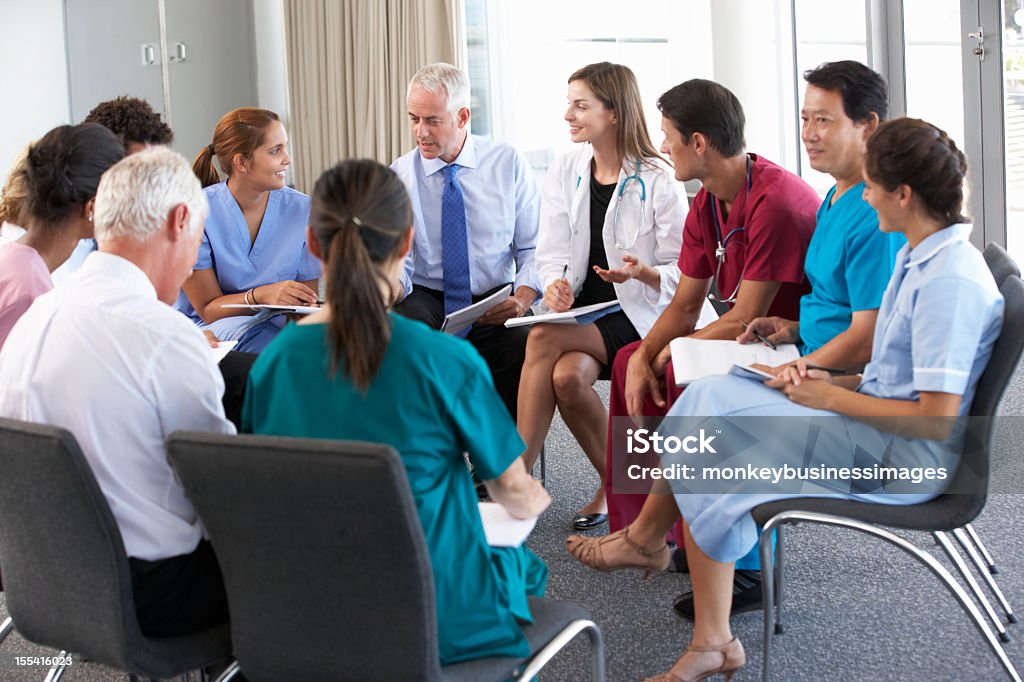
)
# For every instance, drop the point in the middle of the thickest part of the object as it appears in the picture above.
(149, 54)
(180, 53)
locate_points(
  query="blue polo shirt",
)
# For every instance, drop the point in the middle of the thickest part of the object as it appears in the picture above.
(849, 262)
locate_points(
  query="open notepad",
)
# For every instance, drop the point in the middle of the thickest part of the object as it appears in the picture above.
(583, 315)
(698, 358)
(300, 309)
(458, 320)
(501, 528)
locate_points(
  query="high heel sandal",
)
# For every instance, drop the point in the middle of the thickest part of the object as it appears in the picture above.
(590, 551)
(723, 659)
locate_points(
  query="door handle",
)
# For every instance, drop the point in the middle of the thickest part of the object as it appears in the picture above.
(150, 56)
(179, 53)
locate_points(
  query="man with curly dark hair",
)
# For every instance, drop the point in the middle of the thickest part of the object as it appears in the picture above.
(133, 121)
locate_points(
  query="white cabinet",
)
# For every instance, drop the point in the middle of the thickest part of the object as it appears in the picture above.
(192, 60)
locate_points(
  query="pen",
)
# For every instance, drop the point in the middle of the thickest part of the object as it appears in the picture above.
(565, 269)
(758, 336)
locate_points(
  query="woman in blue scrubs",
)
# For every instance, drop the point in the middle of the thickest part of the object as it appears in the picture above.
(938, 322)
(254, 245)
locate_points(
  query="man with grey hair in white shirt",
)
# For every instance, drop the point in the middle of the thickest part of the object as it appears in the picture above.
(107, 358)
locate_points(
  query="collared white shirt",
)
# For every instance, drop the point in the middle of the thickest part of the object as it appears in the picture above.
(502, 214)
(103, 358)
(939, 320)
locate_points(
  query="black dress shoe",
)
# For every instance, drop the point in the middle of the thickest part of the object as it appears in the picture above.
(589, 521)
(746, 595)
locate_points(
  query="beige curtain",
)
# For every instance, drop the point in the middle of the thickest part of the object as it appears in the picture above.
(349, 62)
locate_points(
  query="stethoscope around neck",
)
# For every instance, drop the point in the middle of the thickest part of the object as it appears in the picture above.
(635, 177)
(723, 243)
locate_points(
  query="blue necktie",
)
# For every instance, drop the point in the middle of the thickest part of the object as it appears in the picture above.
(454, 246)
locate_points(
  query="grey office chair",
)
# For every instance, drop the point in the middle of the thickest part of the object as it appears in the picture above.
(326, 566)
(1001, 266)
(65, 571)
(948, 512)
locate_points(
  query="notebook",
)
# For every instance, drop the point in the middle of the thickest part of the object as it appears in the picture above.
(698, 358)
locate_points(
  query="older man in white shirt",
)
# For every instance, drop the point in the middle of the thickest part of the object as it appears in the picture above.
(108, 359)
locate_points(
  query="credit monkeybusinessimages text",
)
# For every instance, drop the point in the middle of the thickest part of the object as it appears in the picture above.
(645, 441)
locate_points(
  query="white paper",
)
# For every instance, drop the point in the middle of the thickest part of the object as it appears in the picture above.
(708, 314)
(501, 528)
(222, 349)
(568, 317)
(300, 309)
(698, 358)
(459, 319)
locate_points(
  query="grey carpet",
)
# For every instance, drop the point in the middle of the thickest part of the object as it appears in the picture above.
(856, 609)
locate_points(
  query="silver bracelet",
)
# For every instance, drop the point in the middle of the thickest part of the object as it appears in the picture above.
(246, 297)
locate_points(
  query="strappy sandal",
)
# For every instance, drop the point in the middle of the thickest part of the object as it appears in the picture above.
(590, 552)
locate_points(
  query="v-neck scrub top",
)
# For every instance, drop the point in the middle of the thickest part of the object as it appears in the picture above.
(279, 253)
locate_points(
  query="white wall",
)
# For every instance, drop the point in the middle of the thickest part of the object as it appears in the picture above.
(34, 77)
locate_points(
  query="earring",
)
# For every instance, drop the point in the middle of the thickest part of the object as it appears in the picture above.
(90, 217)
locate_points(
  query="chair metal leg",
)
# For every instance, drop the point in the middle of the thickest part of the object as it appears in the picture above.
(778, 574)
(6, 628)
(968, 577)
(543, 466)
(230, 672)
(964, 539)
(768, 595)
(937, 569)
(989, 561)
(57, 670)
(568, 633)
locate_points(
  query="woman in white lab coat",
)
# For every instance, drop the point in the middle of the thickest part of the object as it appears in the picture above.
(610, 229)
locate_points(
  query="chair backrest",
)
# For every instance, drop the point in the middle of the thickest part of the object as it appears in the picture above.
(999, 263)
(975, 463)
(66, 574)
(322, 552)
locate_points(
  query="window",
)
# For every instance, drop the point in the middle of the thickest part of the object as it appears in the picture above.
(521, 55)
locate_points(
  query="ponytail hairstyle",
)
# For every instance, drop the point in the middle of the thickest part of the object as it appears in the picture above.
(616, 87)
(241, 131)
(909, 151)
(360, 216)
(64, 167)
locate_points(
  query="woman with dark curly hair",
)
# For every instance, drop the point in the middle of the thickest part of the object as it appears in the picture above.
(133, 121)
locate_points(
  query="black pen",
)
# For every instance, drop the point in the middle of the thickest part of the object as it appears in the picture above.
(565, 269)
(758, 336)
